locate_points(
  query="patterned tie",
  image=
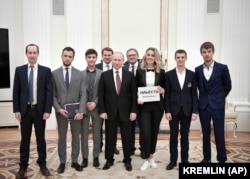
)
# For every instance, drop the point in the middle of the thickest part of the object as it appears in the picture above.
(67, 77)
(31, 77)
(107, 66)
(118, 82)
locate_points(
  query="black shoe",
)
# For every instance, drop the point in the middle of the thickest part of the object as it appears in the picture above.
(205, 161)
(185, 161)
(128, 166)
(85, 163)
(142, 155)
(61, 168)
(44, 170)
(96, 162)
(116, 151)
(76, 166)
(21, 173)
(171, 165)
(107, 165)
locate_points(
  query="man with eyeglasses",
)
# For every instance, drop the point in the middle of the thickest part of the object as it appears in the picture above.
(132, 64)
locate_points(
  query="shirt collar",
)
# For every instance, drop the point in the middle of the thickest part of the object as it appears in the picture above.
(120, 70)
(34, 65)
(135, 65)
(211, 66)
(69, 67)
(180, 72)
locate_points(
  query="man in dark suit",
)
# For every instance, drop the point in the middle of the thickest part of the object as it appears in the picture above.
(32, 104)
(133, 63)
(66, 91)
(214, 84)
(117, 106)
(105, 65)
(181, 106)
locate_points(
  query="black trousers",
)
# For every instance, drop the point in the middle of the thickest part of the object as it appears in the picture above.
(150, 124)
(184, 122)
(111, 136)
(31, 117)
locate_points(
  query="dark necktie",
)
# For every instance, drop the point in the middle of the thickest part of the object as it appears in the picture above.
(31, 77)
(67, 77)
(118, 82)
(133, 69)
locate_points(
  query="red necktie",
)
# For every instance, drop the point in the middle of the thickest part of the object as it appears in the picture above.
(118, 82)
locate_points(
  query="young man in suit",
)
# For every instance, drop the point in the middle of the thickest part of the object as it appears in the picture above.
(181, 106)
(32, 104)
(133, 63)
(68, 87)
(214, 84)
(92, 77)
(117, 106)
(105, 65)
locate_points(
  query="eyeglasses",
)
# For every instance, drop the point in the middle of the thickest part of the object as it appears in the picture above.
(131, 55)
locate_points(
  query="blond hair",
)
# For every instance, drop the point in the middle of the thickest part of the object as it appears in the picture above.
(157, 64)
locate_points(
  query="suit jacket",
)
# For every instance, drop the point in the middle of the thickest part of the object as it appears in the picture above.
(75, 93)
(175, 97)
(21, 90)
(126, 66)
(111, 103)
(96, 83)
(159, 80)
(214, 91)
(99, 66)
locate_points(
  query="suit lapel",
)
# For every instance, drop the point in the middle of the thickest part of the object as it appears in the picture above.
(156, 78)
(38, 76)
(214, 71)
(111, 76)
(143, 74)
(61, 77)
(176, 80)
(186, 80)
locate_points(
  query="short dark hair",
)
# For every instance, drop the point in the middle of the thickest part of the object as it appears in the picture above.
(180, 51)
(26, 48)
(107, 49)
(207, 45)
(69, 49)
(91, 51)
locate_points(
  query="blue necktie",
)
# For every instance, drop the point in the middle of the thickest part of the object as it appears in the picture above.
(31, 76)
(67, 77)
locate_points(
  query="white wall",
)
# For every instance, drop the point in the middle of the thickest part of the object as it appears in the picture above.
(188, 26)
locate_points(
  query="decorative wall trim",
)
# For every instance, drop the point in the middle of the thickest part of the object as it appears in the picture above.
(164, 32)
(105, 23)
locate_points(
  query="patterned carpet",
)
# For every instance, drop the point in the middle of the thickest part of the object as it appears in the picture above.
(9, 159)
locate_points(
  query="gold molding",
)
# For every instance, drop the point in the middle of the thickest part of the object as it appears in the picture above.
(163, 28)
(104, 23)
(164, 32)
